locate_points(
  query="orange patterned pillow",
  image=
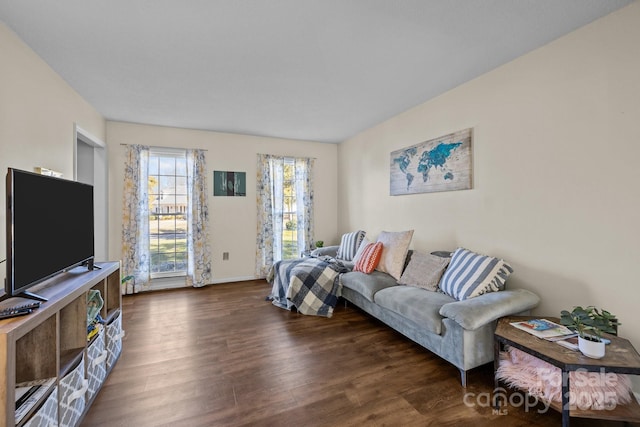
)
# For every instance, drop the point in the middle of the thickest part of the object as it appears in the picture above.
(370, 258)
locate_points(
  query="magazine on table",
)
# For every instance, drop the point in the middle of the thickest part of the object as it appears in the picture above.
(543, 328)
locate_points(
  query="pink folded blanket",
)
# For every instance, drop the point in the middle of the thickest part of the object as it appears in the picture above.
(588, 390)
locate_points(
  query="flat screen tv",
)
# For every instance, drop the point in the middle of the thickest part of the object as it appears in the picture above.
(49, 229)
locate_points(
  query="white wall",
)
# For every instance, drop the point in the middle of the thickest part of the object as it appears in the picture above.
(37, 115)
(556, 155)
(233, 219)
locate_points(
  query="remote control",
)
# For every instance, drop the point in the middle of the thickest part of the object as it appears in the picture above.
(32, 305)
(12, 312)
(18, 310)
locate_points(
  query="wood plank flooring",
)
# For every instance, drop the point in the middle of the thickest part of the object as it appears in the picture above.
(223, 356)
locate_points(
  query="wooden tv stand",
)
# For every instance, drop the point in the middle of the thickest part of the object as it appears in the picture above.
(51, 345)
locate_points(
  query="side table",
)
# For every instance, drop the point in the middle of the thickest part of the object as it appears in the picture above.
(621, 358)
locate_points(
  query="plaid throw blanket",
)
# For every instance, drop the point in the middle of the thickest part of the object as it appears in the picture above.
(312, 285)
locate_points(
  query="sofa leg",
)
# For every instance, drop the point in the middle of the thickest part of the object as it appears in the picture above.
(463, 378)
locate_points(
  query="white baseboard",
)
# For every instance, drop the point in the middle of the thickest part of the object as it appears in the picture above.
(233, 279)
(165, 283)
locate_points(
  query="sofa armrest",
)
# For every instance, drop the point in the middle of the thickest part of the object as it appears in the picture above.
(475, 312)
(331, 251)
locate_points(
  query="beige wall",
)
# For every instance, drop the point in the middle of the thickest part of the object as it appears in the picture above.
(37, 113)
(556, 155)
(233, 219)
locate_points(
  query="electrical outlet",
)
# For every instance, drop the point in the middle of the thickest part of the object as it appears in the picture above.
(225, 256)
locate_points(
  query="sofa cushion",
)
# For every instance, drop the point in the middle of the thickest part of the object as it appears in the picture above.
(470, 274)
(394, 252)
(367, 284)
(369, 259)
(349, 244)
(424, 271)
(417, 305)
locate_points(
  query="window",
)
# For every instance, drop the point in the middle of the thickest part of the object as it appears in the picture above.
(289, 216)
(167, 212)
(285, 209)
(165, 218)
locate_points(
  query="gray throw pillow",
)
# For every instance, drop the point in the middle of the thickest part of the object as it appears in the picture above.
(424, 271)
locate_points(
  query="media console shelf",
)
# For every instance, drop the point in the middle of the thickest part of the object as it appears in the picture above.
(49, 346)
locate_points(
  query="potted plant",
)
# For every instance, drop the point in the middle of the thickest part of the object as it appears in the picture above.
(590, 323)
(319, 243)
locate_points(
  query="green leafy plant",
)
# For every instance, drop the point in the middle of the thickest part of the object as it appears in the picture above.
(319, 243)
(589, 322)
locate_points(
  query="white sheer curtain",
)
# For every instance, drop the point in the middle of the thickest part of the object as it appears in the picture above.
(135, 220)
(277, 185)
(304, 203)
(198, 250)
(270, 198)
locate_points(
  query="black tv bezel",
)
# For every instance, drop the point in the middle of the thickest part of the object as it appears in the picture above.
(10, 289)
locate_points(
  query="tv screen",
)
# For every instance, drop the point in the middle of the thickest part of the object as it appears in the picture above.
(49, 228)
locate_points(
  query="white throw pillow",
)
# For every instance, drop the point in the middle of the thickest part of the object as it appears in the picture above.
(395, 247)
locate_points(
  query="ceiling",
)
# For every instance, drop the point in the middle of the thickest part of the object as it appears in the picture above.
(320, 70)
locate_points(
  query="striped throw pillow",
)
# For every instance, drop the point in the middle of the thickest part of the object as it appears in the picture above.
(369, 259)
(363, 245)
(470, 274)
(349, 245)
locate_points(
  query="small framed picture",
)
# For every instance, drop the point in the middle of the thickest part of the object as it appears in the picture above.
(229, 183)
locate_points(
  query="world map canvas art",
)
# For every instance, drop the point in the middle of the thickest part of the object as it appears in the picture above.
(440, 164)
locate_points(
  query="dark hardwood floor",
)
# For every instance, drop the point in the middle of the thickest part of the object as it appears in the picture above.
(223, 356)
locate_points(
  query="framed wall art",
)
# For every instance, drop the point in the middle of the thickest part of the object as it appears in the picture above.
(229, 183)
(440, 164)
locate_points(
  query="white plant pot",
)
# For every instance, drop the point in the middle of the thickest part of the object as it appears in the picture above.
(592, 349)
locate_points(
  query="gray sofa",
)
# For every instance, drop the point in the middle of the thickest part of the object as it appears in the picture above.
(460, 332)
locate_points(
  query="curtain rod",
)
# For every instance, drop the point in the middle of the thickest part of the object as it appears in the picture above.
(291, 157)
(171, 148)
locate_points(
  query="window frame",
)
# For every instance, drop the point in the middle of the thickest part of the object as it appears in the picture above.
(166, 153)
